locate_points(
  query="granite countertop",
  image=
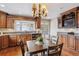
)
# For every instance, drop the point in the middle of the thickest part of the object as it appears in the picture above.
(68, 33)
(12, 31)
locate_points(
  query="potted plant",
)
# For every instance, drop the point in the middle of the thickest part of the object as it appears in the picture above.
(39, 40)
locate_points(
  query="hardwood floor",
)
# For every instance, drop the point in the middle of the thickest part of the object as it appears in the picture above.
(66, 52)
(13, 51)
(16, 51)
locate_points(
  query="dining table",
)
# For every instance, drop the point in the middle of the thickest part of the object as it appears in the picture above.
(33, 47)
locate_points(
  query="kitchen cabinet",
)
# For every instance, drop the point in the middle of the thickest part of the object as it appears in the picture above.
(12, 18)
(59, 22)
(5, 41)
(71, 42)
(63, 39)
(25, 37)
(28, 37)
(69, 19)
(77, 43)
(12, 40)
(78, 19)
(3, 20)
(10, 22)
(1, 42)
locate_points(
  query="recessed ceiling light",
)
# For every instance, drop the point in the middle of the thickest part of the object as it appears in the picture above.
(2, 5)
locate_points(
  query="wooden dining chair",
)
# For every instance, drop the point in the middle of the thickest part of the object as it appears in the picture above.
(55, 50)
(22, 48)
(55, 39)
(36, 53)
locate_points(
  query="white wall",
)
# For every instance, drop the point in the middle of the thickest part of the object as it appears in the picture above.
(54, 28)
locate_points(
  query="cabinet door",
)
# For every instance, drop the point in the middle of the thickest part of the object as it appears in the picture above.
(64, 39)
(23, 38)
(71, 42)
(1, 42)
(13, 40)
(3, 20)
(10, 22)
(5, 41)
(78, 20)
(29, 37)
(59, 22)
(60, 39)
(77, 43)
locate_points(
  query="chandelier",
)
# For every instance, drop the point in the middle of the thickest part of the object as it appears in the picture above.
(39, 10)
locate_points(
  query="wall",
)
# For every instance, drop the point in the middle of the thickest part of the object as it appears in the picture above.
(53, 27)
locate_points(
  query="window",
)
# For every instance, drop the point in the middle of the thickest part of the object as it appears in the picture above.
(45, 27)
(24, 25)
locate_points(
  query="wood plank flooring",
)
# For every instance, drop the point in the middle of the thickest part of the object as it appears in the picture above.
(13, 51)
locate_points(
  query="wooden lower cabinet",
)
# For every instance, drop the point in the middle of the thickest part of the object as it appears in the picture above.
(71, 44)
(0, 42)
(77, 43)
(12, 40)
(28, 37)
(25, 37)
(63, 39)
(5, 41)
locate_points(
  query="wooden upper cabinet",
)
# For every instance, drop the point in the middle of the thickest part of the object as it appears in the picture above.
(59, 22)
(10, 22)
(69, 19)
(78, 19)
(12, 18)
(3, 20)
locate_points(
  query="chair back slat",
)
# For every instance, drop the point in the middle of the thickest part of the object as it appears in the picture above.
(55, 50)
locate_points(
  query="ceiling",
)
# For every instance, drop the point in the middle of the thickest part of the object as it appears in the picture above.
(25, 9)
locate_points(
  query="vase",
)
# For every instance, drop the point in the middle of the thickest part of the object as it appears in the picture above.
(39, 43)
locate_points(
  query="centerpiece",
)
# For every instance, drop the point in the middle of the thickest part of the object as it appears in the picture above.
(39, 40)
